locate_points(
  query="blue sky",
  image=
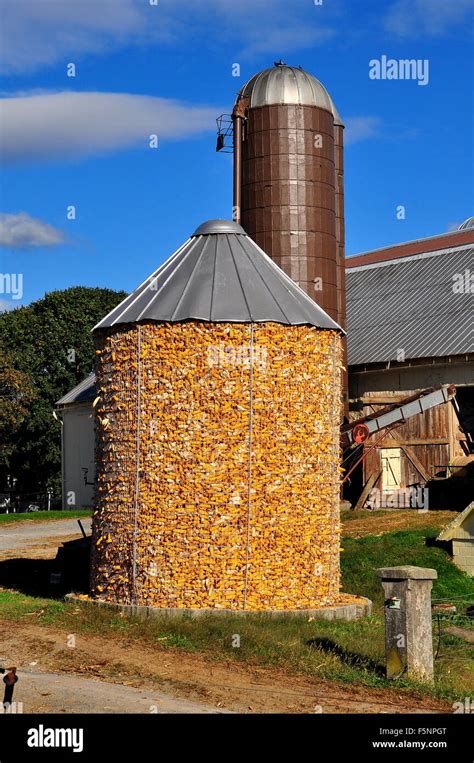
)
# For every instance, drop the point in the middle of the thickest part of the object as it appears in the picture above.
(167, 69)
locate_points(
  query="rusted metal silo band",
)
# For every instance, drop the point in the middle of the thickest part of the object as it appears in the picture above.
(249, 470)
(137, 468)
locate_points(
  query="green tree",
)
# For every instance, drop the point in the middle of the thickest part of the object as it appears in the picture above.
(16, 394)
(48, 350)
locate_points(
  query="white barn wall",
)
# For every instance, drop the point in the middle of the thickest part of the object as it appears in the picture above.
(78, 443)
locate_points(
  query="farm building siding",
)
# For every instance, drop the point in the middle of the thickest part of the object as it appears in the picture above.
(77, 455)
(217, 478)
(431, 437)
(434, 436)
(463, 554)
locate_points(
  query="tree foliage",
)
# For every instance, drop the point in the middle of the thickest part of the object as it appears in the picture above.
(46, 349)
(16, 394)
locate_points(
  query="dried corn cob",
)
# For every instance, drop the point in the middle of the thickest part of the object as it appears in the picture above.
(218, 466)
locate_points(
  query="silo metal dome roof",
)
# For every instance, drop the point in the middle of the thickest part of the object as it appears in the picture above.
(219, 275)
(282, 84)
(467, 224)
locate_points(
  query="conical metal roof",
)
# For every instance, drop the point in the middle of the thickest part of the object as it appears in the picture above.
(219, 275)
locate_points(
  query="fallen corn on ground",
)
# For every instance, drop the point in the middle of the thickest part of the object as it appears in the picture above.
(218, 466)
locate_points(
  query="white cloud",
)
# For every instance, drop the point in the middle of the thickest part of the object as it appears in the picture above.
(38, 33)
(50, 126)
(360, 128)
(42, 32)
(256, 27)
(20, 231)
(413, 18)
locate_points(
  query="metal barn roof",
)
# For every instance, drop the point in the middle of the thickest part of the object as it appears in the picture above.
(419, 304)
(84, 392)
(288, 84)
(463, 236)
(219, 275)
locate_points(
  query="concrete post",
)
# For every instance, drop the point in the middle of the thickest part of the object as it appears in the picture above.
(408, 626)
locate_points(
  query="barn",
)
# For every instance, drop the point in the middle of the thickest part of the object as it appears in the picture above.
(410, 326)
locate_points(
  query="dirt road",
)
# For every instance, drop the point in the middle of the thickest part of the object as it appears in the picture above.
(38, 539)
(63, 693)
(154, 670)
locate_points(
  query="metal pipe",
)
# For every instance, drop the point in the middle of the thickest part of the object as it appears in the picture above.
(237, 201)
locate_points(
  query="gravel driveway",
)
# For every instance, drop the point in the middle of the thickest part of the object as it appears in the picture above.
(65, 693)
(27, 538)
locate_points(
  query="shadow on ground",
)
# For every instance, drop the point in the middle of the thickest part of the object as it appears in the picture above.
(349, 658)
(68, 572)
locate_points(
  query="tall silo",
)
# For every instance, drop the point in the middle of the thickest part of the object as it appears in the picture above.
(289, 179)
(217, 436)
(340, 222)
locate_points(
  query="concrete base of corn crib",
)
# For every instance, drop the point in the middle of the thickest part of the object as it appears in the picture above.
(351, 608)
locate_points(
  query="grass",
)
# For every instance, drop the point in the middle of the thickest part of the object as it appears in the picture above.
(348, 515)
(347, 652)
(362, 556)
(41, 516)
(290, 644)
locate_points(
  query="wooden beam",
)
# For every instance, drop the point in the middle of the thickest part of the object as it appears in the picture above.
(382, 400)
(411, 443)
(367, 488)
(452, 434)
(411, 455)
